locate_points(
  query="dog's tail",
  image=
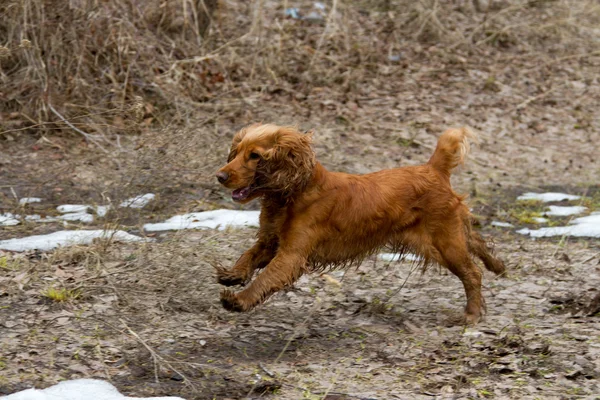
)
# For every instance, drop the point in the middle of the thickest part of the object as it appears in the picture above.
(452, 148)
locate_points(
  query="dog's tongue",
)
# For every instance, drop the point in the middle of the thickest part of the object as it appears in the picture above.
(240, 194)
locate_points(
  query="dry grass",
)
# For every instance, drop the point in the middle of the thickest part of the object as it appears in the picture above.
(116, 67)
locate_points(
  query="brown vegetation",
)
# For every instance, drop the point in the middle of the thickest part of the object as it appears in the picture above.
(108, 66)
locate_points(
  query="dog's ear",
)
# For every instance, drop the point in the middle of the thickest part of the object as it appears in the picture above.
(291, 146)
(289, 163)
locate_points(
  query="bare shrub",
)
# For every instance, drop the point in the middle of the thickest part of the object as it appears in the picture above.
(113, 67)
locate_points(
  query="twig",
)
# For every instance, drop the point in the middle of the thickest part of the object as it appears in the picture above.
(589, 259)
(43, 123)
(101, 356)
(531, 99)
(331, 385)
(266, 371)
(213, 53)
(87, 136)
(410, 272)
(156, 357)
(483, 24)
(561, 59)
(322, 38)
(344, 395)
(287, 344)
(496, 34)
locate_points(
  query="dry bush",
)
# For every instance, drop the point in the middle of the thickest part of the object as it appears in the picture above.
(94, 62)
(113, 67)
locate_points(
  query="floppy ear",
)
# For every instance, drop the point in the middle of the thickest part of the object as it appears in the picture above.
(289, 164)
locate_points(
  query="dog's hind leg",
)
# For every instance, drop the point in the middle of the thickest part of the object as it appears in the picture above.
(480, 248)
(454, 255)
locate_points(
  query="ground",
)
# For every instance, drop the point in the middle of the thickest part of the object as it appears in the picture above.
(146, 316)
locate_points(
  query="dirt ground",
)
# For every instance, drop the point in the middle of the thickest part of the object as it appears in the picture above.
(146, 316)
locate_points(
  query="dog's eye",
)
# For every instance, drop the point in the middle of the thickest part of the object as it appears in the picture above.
(254, 156)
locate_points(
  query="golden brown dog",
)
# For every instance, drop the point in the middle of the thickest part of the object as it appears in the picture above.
(313, 219)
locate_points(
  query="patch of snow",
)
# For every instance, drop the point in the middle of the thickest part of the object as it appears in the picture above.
(319, 5)
(560, 211)
(27, 200)
(78, 389)
(102, 210)
(216, 219)
(580, 227)
(72, 208)
(65, 238)
(292, 12)
(398, 257)
(540, 220)
(38, 218)
(9, 219)
(548, 197)
(138, 201)
(82, 209)
(502, 224)
(78, 216)
(313, 16)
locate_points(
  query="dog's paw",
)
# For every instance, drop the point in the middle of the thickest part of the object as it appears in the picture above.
(461, 319)
(471, 319)
(228, 278)
(496, 266)
(230, 302)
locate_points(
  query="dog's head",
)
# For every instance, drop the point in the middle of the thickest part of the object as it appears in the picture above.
(267, 159)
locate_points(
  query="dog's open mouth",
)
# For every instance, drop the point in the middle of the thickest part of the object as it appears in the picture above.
(242, 193)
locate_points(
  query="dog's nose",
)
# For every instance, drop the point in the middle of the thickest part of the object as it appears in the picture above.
(222, 176)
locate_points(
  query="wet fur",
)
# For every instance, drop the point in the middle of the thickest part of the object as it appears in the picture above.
(313, 219)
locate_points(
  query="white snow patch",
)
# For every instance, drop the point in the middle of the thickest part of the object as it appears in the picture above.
(65, 238)
(78, 389)
(138, 201)
(75, 212)
(102, 210)
(560, 211)
(540, 220)
(502, 224)
(72, 208)
(580, 227)
(9, 219)
(548, 197)
(216, 219)
(77, 216)
(398, 257)
(27, 200)
(38, 218)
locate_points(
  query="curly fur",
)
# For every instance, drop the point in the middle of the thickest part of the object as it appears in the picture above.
(313, 219)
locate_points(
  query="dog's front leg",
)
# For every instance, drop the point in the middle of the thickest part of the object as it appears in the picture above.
(258, 256)
(282, 271)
